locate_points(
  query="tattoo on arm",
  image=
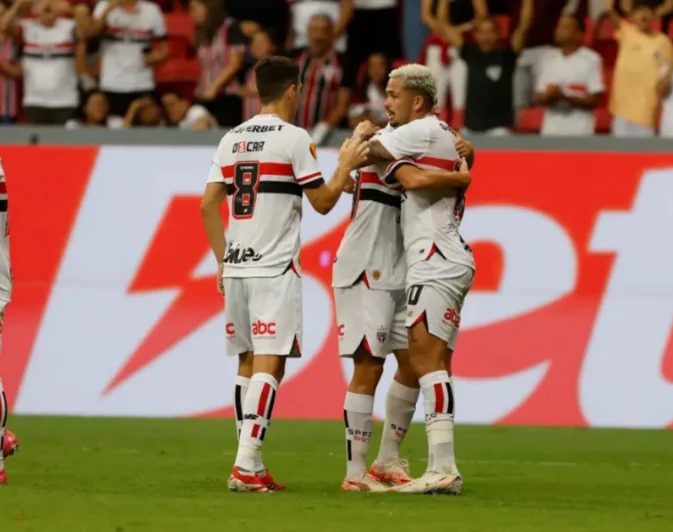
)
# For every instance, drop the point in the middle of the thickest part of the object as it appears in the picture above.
(377, 150)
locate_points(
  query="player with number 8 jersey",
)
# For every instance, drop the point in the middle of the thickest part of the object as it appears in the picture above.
(263, 168)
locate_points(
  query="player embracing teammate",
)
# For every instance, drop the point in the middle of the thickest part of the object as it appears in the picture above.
(439, 272)
(263, 168)
(8, 442)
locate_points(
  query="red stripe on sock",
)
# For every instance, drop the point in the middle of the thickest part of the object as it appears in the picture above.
(255, 431)
(263, 399)
(439, 398)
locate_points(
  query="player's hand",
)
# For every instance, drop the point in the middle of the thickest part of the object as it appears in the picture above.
(365, 130)
(220, 279)
(553, 93)
(353, 153)
(349, 187)
(463, 146)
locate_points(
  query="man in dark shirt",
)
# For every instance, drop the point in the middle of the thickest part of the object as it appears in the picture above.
(490, 71)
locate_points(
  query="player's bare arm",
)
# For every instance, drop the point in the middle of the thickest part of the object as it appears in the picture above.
(351, 156)
(413, 178)
(213, 197)
(465, 150)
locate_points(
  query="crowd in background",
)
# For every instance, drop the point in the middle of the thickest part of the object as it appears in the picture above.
(557, 67)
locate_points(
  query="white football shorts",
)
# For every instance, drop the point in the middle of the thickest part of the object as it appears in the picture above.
(375, 317)
(264, 315)
(436, 290)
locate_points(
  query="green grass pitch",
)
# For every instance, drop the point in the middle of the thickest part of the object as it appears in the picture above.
(121, 475)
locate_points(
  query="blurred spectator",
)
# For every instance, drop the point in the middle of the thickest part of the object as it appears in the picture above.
(440, 55)
(374, 28)
(50, 95)
(127, 29)
(370, 94)
(184, 115)
(570, 83)
(666, 94)
(221, 50)
(325, 96)
(95, 113)
(539, 42)
(262, 46)
(489, 104)
(10, 72)
(144, 112)
(275, 17)
(88, 58)
(643, 53)
(340, 13)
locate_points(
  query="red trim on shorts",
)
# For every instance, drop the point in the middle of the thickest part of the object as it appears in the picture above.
(421, 318)
(296, 345)
(365, 344)
(364, 279)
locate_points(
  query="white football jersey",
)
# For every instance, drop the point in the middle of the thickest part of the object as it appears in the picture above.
(264, 162)
(5, 267)
(430, 218)
(372, 244)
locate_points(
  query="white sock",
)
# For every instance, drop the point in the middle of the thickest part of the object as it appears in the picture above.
(438, 403)
(240, 389)
(358, 409)
(400, 406)
(257, 410)
(3, 421)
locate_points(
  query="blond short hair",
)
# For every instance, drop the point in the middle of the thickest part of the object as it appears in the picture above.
(417, 78)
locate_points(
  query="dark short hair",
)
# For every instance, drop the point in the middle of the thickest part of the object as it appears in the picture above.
(579, 22)
(644, 4)
(274, 75)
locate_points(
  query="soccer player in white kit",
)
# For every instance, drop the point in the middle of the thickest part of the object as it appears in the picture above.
(369, 279)
(263, 167)
(440, 265)
(8, 442)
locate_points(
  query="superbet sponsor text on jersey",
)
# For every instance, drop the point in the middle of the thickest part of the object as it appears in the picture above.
(264, 162)
(430, 218)
(372, 244)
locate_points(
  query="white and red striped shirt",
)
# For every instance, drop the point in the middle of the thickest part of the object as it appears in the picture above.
(372, 248)
(265, 162)
(251, 104)
(49, 73)
(8, 86)
(128, 37)
(214, 57)
(321, 80)
(430, 218)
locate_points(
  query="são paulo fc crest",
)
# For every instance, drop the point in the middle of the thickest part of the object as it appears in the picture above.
(381, 335)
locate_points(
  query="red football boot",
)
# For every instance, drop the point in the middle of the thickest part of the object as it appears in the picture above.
(11, 444)
(266, 477)
(242, 481)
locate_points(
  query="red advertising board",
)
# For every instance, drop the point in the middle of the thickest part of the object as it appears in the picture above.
(569, 321)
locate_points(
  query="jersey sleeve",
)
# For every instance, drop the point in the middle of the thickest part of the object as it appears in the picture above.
(304, 159)
(409, 140)
(158, 26)
(99, 9)
(595, 82)
(389, 178)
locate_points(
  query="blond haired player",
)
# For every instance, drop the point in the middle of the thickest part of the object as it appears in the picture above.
(263, 167)
(368, 280)
(8, 442)
(440, 266)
